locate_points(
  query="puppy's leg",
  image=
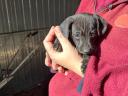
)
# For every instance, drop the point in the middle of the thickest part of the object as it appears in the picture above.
(84, 63)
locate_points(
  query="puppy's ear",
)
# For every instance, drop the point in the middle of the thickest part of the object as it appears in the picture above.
(66, 26)
(101, 25)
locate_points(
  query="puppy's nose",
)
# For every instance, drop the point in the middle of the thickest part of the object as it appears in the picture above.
(84, 51)
(87, 52)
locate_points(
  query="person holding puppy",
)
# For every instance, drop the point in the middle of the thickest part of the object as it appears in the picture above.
(54, 58)
(106, 75)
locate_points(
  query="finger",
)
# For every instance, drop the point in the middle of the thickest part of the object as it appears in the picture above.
(60, 69)
(53, 71)
(50, 36)
(63, 40)
(66, 73)
(47, 60)
(48, 42)
(54, 66)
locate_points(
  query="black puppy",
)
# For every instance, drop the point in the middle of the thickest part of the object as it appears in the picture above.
(85, 32)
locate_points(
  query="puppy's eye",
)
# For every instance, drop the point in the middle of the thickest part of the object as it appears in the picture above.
(77, 35)
(92, 35)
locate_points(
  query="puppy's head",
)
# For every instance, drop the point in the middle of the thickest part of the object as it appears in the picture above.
(65, 27)
(87, 29)
(84, 31)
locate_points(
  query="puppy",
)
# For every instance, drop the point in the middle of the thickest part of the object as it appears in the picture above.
(84, 31)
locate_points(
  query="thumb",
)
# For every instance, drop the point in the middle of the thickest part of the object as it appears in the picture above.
(63, 40)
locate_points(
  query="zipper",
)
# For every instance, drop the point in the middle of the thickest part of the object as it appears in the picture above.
(109, 6)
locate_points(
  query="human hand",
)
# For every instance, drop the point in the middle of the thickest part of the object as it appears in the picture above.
(53, 66)
(48, 62)
(69, 58)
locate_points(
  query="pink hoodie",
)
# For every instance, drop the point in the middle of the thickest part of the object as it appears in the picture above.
(108, 76)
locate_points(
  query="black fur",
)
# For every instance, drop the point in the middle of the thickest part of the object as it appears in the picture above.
(85, 32)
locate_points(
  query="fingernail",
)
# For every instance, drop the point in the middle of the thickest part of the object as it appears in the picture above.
(57, 27)
(52, 27)
(53, 71)
(46, 64)
(66, 73)
(58, 33)
(59, 68)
